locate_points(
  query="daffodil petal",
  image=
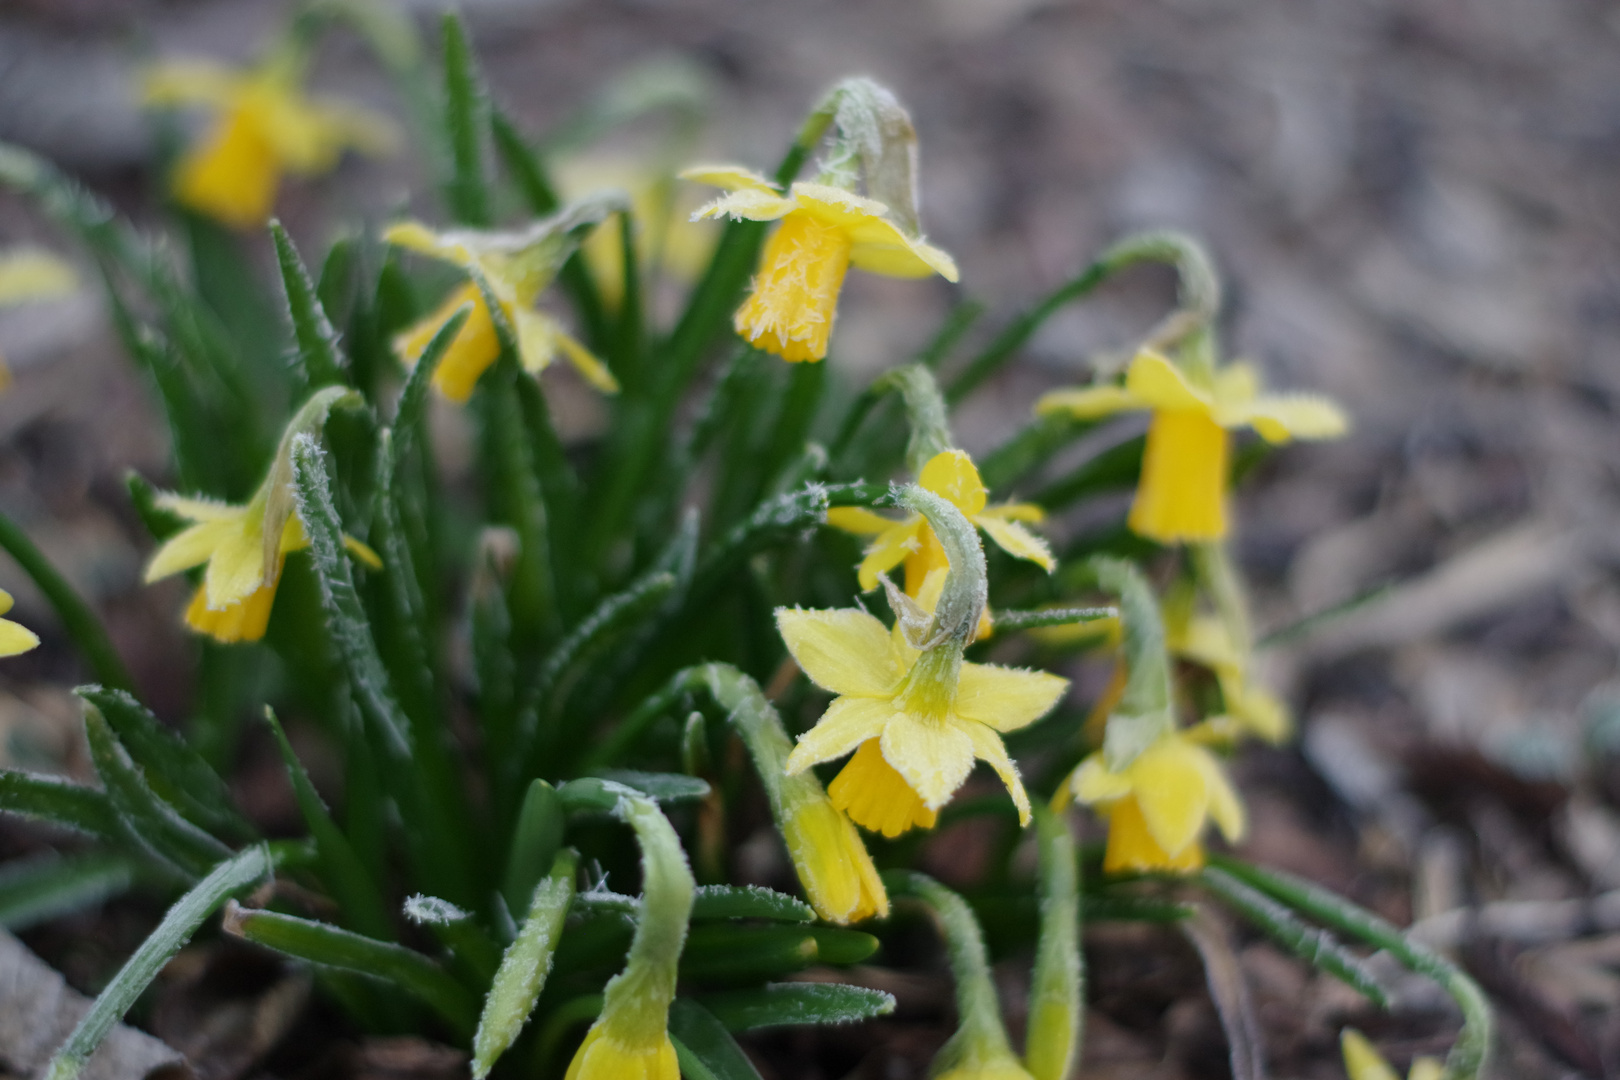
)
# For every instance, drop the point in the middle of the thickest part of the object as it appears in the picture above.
(183, 82)
(195, 509)
(1014, 512)
(414, 236)
(934, 757)
(362, 552)
(1280, 417)
(842, 649)
(1017, 541)
(1157, 381)
(750, 204)
(889, 550)
(1224, 805)
(1090, 402)
(898, 255)
(16, 638)
(1361, 1060)
(1005, 698)
(1172, 789)
(835, 206)
(191, 546)
(236, 567)
(1092, 783)
(952, 476)
(591, 369)
(1236, 384)
(5, 601)
(859, 520)
(848, 722)
(988, 747)
(730, 177)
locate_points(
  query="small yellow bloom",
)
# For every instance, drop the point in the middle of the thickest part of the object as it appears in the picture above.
(952, 476)
(1157, 805)
(263, 126)
(518, 267)
(603, 1057)
(837, 872)
(1207, 641)
(1362, 1061)
(917, 719)
(1182, 493)
(825, 230)
(14, 637)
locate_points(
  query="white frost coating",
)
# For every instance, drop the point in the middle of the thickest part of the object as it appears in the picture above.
(430, 909)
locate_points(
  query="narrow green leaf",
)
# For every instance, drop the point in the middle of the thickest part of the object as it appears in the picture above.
(1057, 1006)
(474, 955)
(705, 1048)
(1034, 444)
(77, 617)
(787, 1004)
(1111, 470)
(160, 523)
(1012, 619)
(336, 287)
(176, 772)
(44, 887)
(147, 819)
(319, 357)
(730, 952)
(320, 943)
(464, 107)
(665, 788)
(524, 967)
(59, 802)
(341, 870)
(534, 844)
(228, 878)
(749, 902)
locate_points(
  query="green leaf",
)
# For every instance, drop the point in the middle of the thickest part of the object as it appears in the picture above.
(1033, 444)
(176, 772)
(44, 887)
(785, 1004)
(77, 617)
(342, 871)
(464, 107)
(731, 952)
(160, 523)
(749, 902)
(319, 357)
(534, 843)
(1143, 713)
(146, 819)
(524, 968)
(320, 943)
(225, 880)
(1111, 470)
(1010, 619)
(1057, 1002)
(665, 788)
(705, 1048)
(59, 802)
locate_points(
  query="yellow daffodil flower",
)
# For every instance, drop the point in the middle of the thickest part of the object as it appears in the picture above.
(1157, 805)
(1182, 492)
(14, 637)
(825, 230)
(952, 476)
(916, 719)
(263, 126)
(833, 864)
(1205, 640)
(1362, 1061)
(518, 267)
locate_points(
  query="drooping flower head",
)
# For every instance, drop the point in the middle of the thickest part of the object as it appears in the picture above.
(245, 547)
(915, 713)
(15, 638)
(1158, 804)
(1182, 492)
(516, 267)
(263, 126)
(630, 1040)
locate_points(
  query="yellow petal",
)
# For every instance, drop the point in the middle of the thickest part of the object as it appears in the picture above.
(836, 207)
(586, 363)
(355, 548)
(191, 546)
(1006, 698)
(32, 274)
(236, 567)
(232, 173)
(1181, 495)
(245, 620)
(1280, 417)
(1132, 846)
(794, 300)
(1155, 380)
(1224, 805)
(1361, 1060)
(1090, 402)
(5, 601)
(1236, 384)
(750, 205)
(1017, 541)
(1173, 791)
(470, 354)
(988, 747)
(892, 546)
(858, 520)
(1015, 512)
(603, 1057)
(934, 757)
(848, 722)
(196, 509)
(842, 649)
(185, 82)
(16, 638)
(876, 797)
(730, 177)
(414, 236)
(952, 476)
(1092, 783)
(1426, 1068)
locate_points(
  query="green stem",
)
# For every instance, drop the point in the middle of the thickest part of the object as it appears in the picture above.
(81, 622)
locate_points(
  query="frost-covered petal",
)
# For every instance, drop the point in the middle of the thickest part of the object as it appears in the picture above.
(1171, 784)
(1014, 512)
(191, 546)
(1092, 783)
(1090, 402)
(891, 547)
(236, 567)
(1157, 381)
(933, 756)
(1280, 417)
(952, 476)
(859, 520)
(414, 236)
(1006, 698)
(750, 204)
(848, 722)
(196, 509)
(729, 177)
(843, 650)
(1017, 541)
(988, 747)
(16, 638)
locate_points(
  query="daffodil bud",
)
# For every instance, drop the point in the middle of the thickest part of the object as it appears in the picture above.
(630, 1040)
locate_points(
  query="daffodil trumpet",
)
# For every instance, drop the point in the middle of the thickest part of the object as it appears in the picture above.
(507, 272)
(630, 1040)
(979, 1049)
(913, 711)
(245, 547)
(833, 865)
(1181, 495)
